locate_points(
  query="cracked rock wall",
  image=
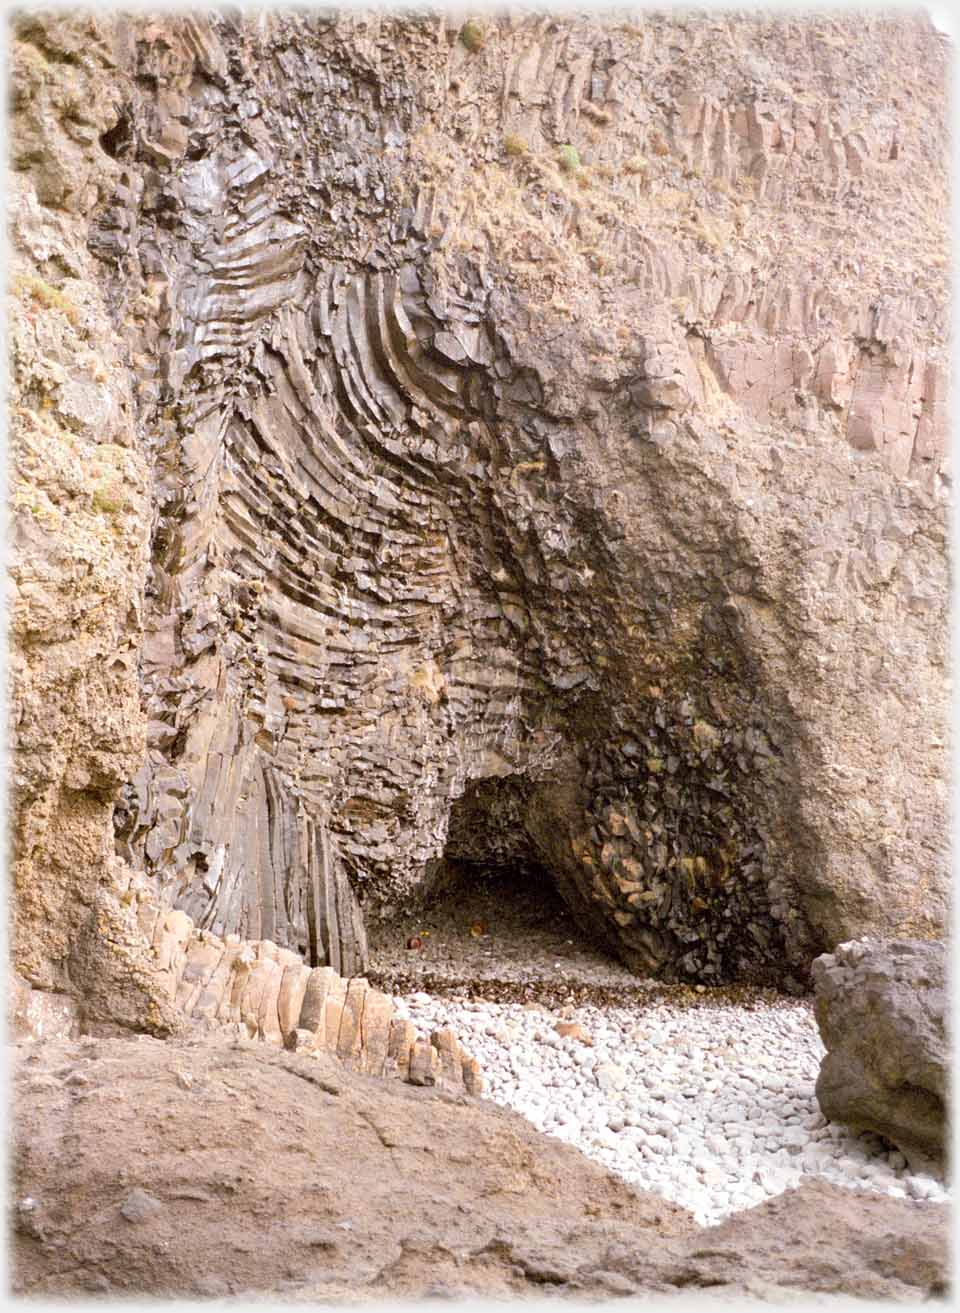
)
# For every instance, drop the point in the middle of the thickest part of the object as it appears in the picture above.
(555, 421)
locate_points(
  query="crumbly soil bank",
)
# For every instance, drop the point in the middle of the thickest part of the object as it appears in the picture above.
(239, 1170)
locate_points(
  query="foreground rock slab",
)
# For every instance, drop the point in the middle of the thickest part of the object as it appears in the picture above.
(241, 1169)
(881, 1008)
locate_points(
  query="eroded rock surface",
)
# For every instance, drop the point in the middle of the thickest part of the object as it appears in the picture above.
(882, 1013)
(225, 1173)
(80, 511)
(600, 489)
(251, 990)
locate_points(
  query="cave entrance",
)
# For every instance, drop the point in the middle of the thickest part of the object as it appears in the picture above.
(492, 918)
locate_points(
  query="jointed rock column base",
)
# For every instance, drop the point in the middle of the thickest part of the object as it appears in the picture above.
(269, 993)
(255, 990)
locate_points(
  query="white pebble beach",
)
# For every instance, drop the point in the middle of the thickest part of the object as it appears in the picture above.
(712, 1107)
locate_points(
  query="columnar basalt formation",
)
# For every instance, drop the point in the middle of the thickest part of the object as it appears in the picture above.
(548, 422)
(205, 986)
(268, 993)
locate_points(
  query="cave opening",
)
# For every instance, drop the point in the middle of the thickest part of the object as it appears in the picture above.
(493, 915)
(624, 868)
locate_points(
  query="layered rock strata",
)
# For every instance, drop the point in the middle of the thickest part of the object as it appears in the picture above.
(550, 425)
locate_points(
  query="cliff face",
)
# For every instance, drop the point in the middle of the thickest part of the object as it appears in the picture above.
(523, 441)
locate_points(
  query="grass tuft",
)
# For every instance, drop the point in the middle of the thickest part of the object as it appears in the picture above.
(47, 295)
(108, 497)
(569, 159)
(472, 36)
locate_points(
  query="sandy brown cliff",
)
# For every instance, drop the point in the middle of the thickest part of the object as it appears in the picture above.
(521, 441)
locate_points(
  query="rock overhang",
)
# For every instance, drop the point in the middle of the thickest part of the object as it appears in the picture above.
(437, 503)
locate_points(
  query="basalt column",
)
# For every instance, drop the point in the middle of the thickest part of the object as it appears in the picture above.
(493, 438)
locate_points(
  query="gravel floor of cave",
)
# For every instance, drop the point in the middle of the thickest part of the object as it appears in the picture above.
(508, 937)
(715, 1111)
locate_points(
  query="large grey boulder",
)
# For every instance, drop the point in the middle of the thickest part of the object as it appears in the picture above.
(881, 1009)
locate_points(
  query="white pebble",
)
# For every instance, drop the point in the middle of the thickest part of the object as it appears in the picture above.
(717, 1123)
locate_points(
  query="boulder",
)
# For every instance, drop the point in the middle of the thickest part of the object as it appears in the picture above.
(881, 1009)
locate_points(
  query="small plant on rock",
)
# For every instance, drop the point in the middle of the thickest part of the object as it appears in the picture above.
(472, 36)
(108, 497)
(49, 297)
(514, 145)
(569, 159)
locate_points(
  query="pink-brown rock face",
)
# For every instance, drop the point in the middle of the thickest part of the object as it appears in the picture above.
(216, 1149)
(576, 506)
